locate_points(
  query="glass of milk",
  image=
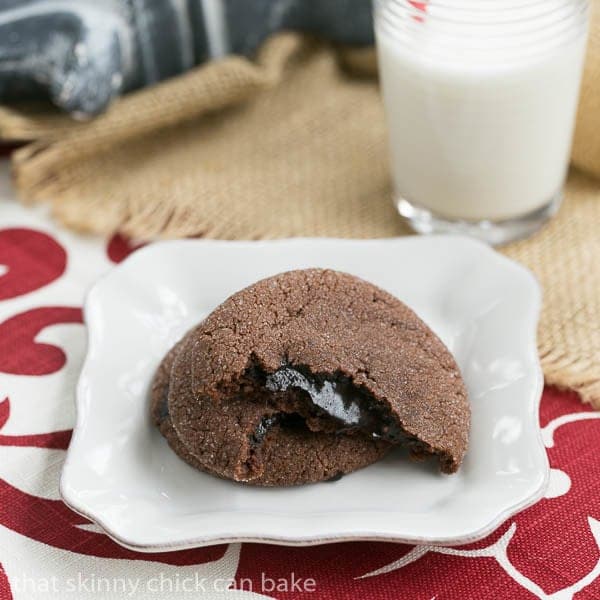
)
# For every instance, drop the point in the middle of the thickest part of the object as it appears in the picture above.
(480, 99)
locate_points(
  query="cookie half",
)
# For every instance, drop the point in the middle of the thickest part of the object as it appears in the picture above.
(261, 446)
(307, 375)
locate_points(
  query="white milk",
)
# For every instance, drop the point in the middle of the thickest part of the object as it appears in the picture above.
(481, 117)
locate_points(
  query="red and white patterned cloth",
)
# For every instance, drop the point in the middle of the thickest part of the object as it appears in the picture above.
(46, 551)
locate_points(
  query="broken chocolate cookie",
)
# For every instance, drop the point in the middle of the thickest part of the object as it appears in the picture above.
(306, 376)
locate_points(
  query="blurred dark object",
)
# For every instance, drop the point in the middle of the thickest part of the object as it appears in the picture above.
(82, 53)
(7, 148)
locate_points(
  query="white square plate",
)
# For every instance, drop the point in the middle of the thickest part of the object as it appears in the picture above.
(121, 473)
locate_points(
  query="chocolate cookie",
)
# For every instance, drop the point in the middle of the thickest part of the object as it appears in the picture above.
(307, 375)
(290, 452)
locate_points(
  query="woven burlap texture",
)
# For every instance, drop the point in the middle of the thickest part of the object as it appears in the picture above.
(304, 153)
(291, 144)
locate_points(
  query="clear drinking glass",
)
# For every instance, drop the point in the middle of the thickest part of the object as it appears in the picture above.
(480, 99)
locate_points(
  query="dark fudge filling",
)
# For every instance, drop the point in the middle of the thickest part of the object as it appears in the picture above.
(335, 401)
(333, 398)
(266, 423)
(258, 435)
(353, 408)
(163, 407)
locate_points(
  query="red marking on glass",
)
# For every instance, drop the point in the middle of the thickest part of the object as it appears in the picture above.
(420, 6)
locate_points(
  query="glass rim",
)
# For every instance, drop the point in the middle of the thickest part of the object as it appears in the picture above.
(398, 19)
(417, 11)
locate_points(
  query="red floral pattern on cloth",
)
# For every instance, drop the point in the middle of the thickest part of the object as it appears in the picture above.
(32, 259)
(548, 551)
(552, 547)
(20, 354)
(119, 248)
(57, 440)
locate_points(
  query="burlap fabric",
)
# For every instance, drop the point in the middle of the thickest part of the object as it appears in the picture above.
(290, 144)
